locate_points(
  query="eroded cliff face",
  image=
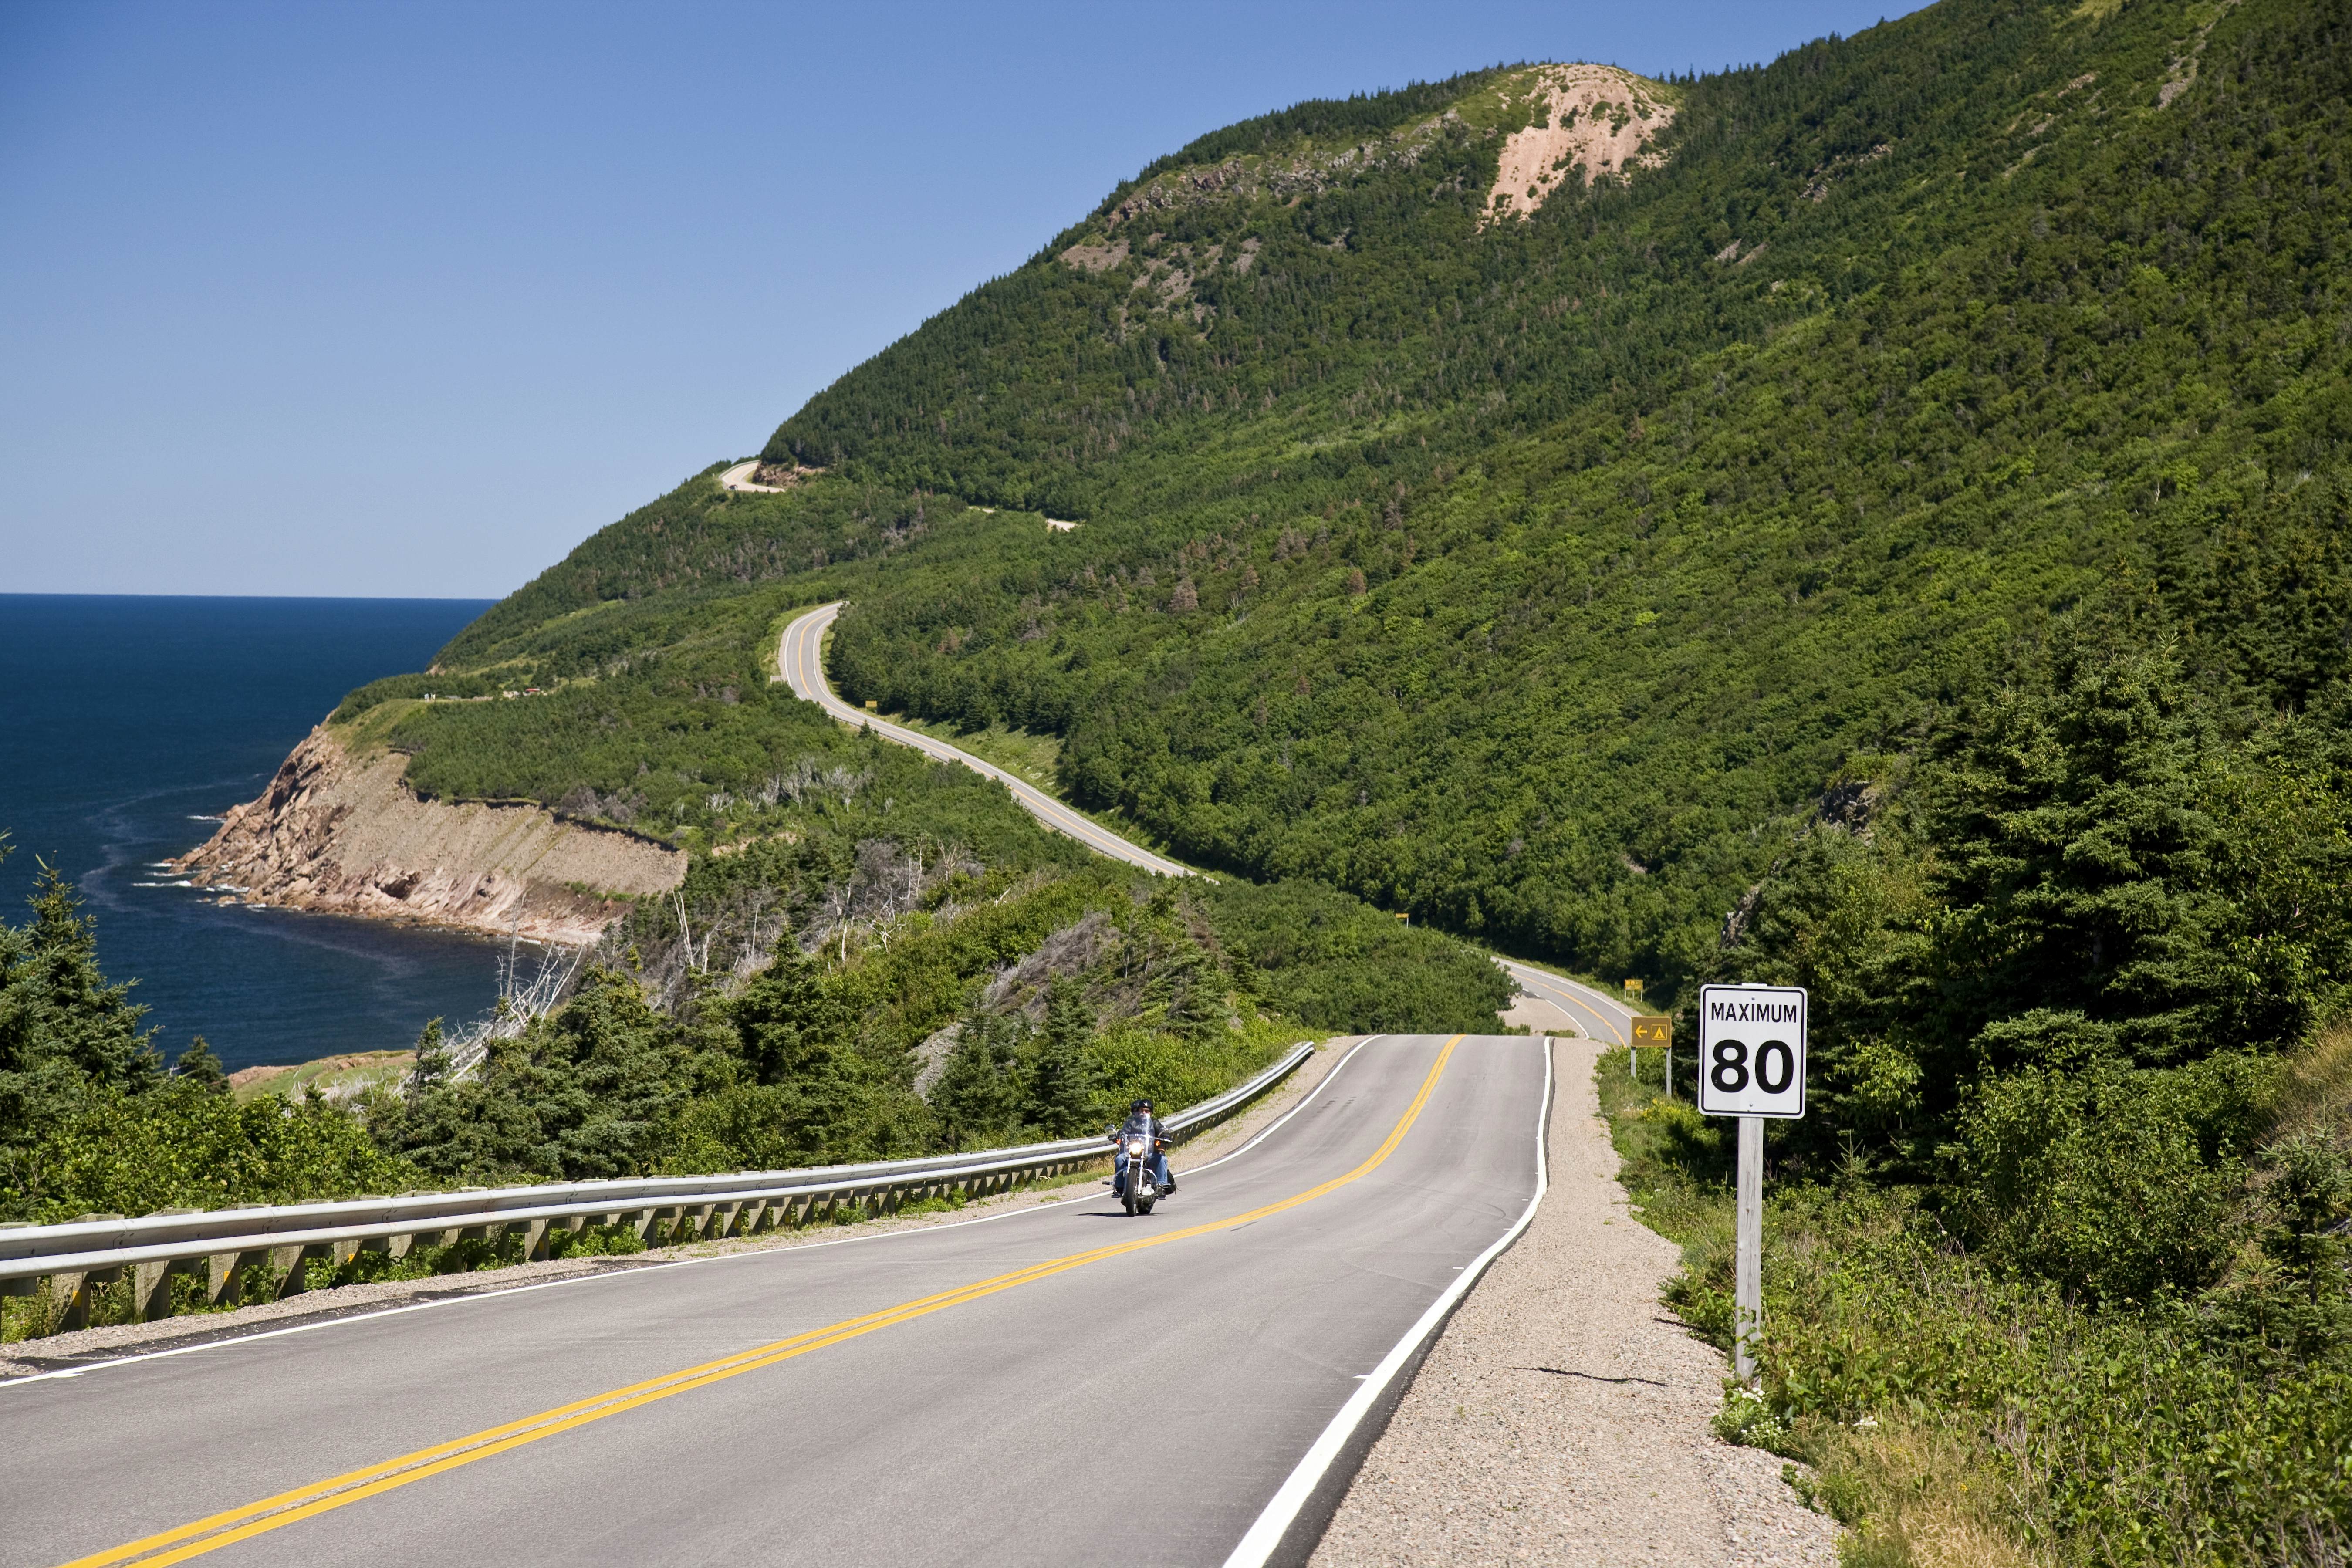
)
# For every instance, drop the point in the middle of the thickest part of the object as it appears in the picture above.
(344, 836)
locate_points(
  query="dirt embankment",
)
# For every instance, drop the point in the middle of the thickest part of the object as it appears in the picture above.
(344, 836)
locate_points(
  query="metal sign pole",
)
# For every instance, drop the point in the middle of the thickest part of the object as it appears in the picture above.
(1747, 1303)
(1751, 1065)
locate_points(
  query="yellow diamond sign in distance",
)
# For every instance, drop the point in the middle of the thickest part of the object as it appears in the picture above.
(1654, 1031)
(1633, 988)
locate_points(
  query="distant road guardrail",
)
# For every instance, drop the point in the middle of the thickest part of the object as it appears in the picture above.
(222, 1244)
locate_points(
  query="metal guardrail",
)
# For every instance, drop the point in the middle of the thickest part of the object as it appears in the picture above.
(222, 1244)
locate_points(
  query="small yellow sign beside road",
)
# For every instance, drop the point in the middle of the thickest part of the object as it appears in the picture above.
(1651, 1031)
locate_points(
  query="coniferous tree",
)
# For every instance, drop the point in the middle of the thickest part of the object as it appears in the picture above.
(790, 1026)
(1063, 1084)
(977, 1096)
(199, 1066)
(431, 1069)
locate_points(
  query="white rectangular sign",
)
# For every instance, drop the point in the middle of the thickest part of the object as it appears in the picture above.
(1751, 1051)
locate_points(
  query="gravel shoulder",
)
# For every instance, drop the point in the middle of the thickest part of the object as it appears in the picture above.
(59, 1352)
(1563, 1415)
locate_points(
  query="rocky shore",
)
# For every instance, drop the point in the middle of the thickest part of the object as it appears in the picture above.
(344, 834)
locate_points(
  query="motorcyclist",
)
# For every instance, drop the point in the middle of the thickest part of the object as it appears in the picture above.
(1139, 1119)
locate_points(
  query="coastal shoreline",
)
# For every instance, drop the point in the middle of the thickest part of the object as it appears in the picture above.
(340, 833)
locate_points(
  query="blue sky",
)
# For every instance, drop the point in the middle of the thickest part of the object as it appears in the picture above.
(409, 299)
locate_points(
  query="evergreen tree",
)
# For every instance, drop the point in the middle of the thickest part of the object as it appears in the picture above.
(1064, 1083)
(55, 1006)
(431, 1069)
(199, 1066)
(789, 1024)
(977, 1096)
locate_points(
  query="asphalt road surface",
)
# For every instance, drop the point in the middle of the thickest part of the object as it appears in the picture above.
(1064, 1385)
(1599, 1015)
(800, 653)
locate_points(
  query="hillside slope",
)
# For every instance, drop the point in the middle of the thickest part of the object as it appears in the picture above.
(1539, 571)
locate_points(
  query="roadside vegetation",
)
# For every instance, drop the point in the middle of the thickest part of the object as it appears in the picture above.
(858, 984)
(2059, 1263)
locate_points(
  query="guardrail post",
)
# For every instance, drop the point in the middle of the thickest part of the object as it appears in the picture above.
(225, 1277)
(150, 1292)
(289, 1275)
(69, 1300)
(392, 1246)
(296, 1261)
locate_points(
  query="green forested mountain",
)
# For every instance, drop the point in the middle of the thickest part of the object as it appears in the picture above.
(1540, 576)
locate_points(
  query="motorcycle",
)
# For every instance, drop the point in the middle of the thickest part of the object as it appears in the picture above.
(1132, 1172)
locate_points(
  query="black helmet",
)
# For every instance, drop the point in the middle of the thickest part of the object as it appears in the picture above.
(1140, 1105)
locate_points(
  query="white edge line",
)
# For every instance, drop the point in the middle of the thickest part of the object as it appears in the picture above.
(1266, 1535)
(1574, 994)
(232, 1339)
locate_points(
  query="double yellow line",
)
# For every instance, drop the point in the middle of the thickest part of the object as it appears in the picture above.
(217, 1530)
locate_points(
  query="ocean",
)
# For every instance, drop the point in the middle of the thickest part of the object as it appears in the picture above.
(126, 723)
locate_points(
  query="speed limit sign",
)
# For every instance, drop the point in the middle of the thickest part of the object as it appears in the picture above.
(1751, 1051)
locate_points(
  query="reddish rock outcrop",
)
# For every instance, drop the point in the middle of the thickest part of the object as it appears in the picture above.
(345, 835)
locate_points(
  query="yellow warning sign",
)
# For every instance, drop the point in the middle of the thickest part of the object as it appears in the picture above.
(1654, 1031)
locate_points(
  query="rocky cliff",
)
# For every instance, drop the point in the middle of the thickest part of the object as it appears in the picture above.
(344, 834)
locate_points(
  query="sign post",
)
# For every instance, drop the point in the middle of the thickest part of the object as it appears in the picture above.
(1751, 1065)
(1650, 1030)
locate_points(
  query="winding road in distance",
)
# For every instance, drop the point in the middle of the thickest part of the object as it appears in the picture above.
(800, 656)
(1062, 1384)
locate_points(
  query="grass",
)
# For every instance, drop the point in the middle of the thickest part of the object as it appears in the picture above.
(1914, 1488)
(1020, 752)
(337, 1077)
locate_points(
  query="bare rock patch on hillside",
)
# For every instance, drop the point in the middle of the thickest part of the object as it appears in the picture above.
(345, 835)
(1590, 121)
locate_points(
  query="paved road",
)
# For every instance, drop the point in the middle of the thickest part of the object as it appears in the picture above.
(800, 655)
(1600, 1015)
(739, 478)
(1055, 1385)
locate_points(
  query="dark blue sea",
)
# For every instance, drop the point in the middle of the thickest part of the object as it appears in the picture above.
(126, 722)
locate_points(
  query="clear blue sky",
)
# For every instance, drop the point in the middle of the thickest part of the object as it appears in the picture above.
(409, 299)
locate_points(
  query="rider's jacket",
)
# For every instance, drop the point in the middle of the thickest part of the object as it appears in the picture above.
(1138, 1121)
